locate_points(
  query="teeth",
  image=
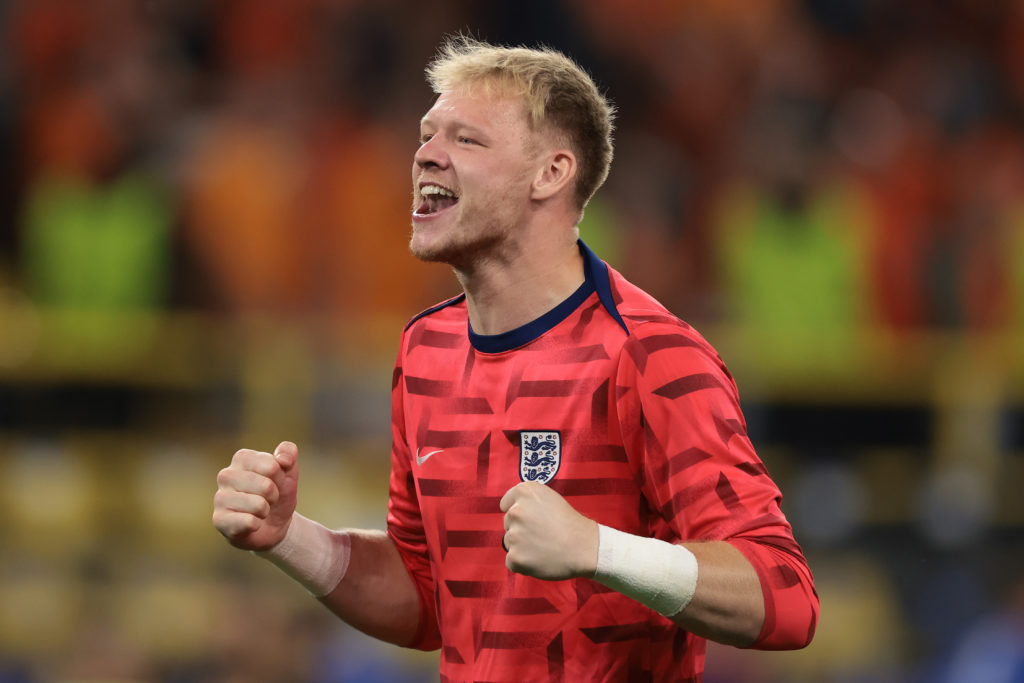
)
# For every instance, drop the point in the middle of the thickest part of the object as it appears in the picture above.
(427, 190)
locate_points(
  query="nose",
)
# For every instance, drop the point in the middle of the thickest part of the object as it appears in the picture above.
(431, 154)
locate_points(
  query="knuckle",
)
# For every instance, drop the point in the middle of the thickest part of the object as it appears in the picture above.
(516, 563)
(511, 563)
(252, 461)
(246, 524)
(266, 488)
(241, 454)
(264, 464)
(224, 476)
(233, 525)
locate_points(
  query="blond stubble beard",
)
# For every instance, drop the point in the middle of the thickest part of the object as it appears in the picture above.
(479, 235)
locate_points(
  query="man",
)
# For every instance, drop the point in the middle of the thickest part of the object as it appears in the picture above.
(573, 494)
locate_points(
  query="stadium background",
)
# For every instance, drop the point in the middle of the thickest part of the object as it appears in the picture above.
(203, 218)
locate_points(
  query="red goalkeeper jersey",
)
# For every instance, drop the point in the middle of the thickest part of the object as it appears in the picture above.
(628, 413)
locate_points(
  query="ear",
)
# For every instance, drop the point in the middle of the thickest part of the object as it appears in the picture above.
(557, 173)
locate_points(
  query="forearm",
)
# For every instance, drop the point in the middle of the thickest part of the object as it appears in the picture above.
(728, 604)
(357, 574)
(709, 588)
(376, 596)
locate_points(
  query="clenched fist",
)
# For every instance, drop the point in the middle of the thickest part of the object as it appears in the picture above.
(255, 497)
(545, 537)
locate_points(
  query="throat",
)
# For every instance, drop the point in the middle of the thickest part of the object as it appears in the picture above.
(501, 304)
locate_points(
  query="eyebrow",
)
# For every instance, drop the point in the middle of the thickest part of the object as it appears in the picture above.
(457, 124)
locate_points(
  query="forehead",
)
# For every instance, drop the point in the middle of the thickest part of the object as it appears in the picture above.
(477, 107)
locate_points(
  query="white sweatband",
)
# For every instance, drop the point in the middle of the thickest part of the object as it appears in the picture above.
(312, 554)
(658, 574)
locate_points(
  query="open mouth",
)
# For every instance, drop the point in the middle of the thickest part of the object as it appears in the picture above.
(434, 199)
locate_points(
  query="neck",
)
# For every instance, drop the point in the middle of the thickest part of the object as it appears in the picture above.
(522, 284)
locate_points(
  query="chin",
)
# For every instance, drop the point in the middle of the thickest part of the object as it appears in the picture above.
(454, 257)
(458, 255)
(454, 245)
(425, 255)
(426, 250)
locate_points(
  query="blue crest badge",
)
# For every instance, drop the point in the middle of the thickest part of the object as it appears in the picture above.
(540, 455)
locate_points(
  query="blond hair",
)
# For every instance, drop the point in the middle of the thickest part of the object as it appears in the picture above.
(557, 93)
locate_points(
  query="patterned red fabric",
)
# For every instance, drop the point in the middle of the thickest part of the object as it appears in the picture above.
(652, 442)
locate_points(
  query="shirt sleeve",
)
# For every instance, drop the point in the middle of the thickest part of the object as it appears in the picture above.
(682, 425)
(405, 523)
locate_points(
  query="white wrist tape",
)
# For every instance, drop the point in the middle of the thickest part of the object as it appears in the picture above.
(312, 554)
(658, 574)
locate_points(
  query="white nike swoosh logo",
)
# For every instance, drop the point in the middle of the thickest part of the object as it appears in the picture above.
(420, 459)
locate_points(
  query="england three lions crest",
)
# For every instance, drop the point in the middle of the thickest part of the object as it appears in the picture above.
(540, 455)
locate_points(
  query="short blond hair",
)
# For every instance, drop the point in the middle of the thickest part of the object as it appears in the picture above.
(557, 93)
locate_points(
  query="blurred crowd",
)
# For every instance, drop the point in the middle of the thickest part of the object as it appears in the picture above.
(837, 186)
(811, 163)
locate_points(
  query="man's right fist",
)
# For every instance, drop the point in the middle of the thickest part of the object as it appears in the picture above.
(256, 495)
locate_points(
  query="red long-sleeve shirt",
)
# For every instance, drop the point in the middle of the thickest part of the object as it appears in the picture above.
(628, 413)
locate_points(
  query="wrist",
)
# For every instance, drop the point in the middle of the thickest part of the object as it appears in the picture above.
(587, 562)
(660, 575)
(312, 554)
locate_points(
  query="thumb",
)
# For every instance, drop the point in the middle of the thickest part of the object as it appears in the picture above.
(287, 455)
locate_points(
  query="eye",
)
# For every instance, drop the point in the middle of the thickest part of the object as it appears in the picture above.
(466, 140)
(425, 138)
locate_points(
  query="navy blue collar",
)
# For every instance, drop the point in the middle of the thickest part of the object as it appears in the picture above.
(596, 279)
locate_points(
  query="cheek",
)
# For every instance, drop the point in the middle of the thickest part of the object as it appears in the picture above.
(508, 189)
(501, 179)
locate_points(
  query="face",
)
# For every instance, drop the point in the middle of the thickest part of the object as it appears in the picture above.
(471, 177)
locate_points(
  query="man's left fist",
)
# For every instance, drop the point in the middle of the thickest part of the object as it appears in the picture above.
(545, 537)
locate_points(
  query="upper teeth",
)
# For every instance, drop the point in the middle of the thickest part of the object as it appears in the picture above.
(436, 189)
